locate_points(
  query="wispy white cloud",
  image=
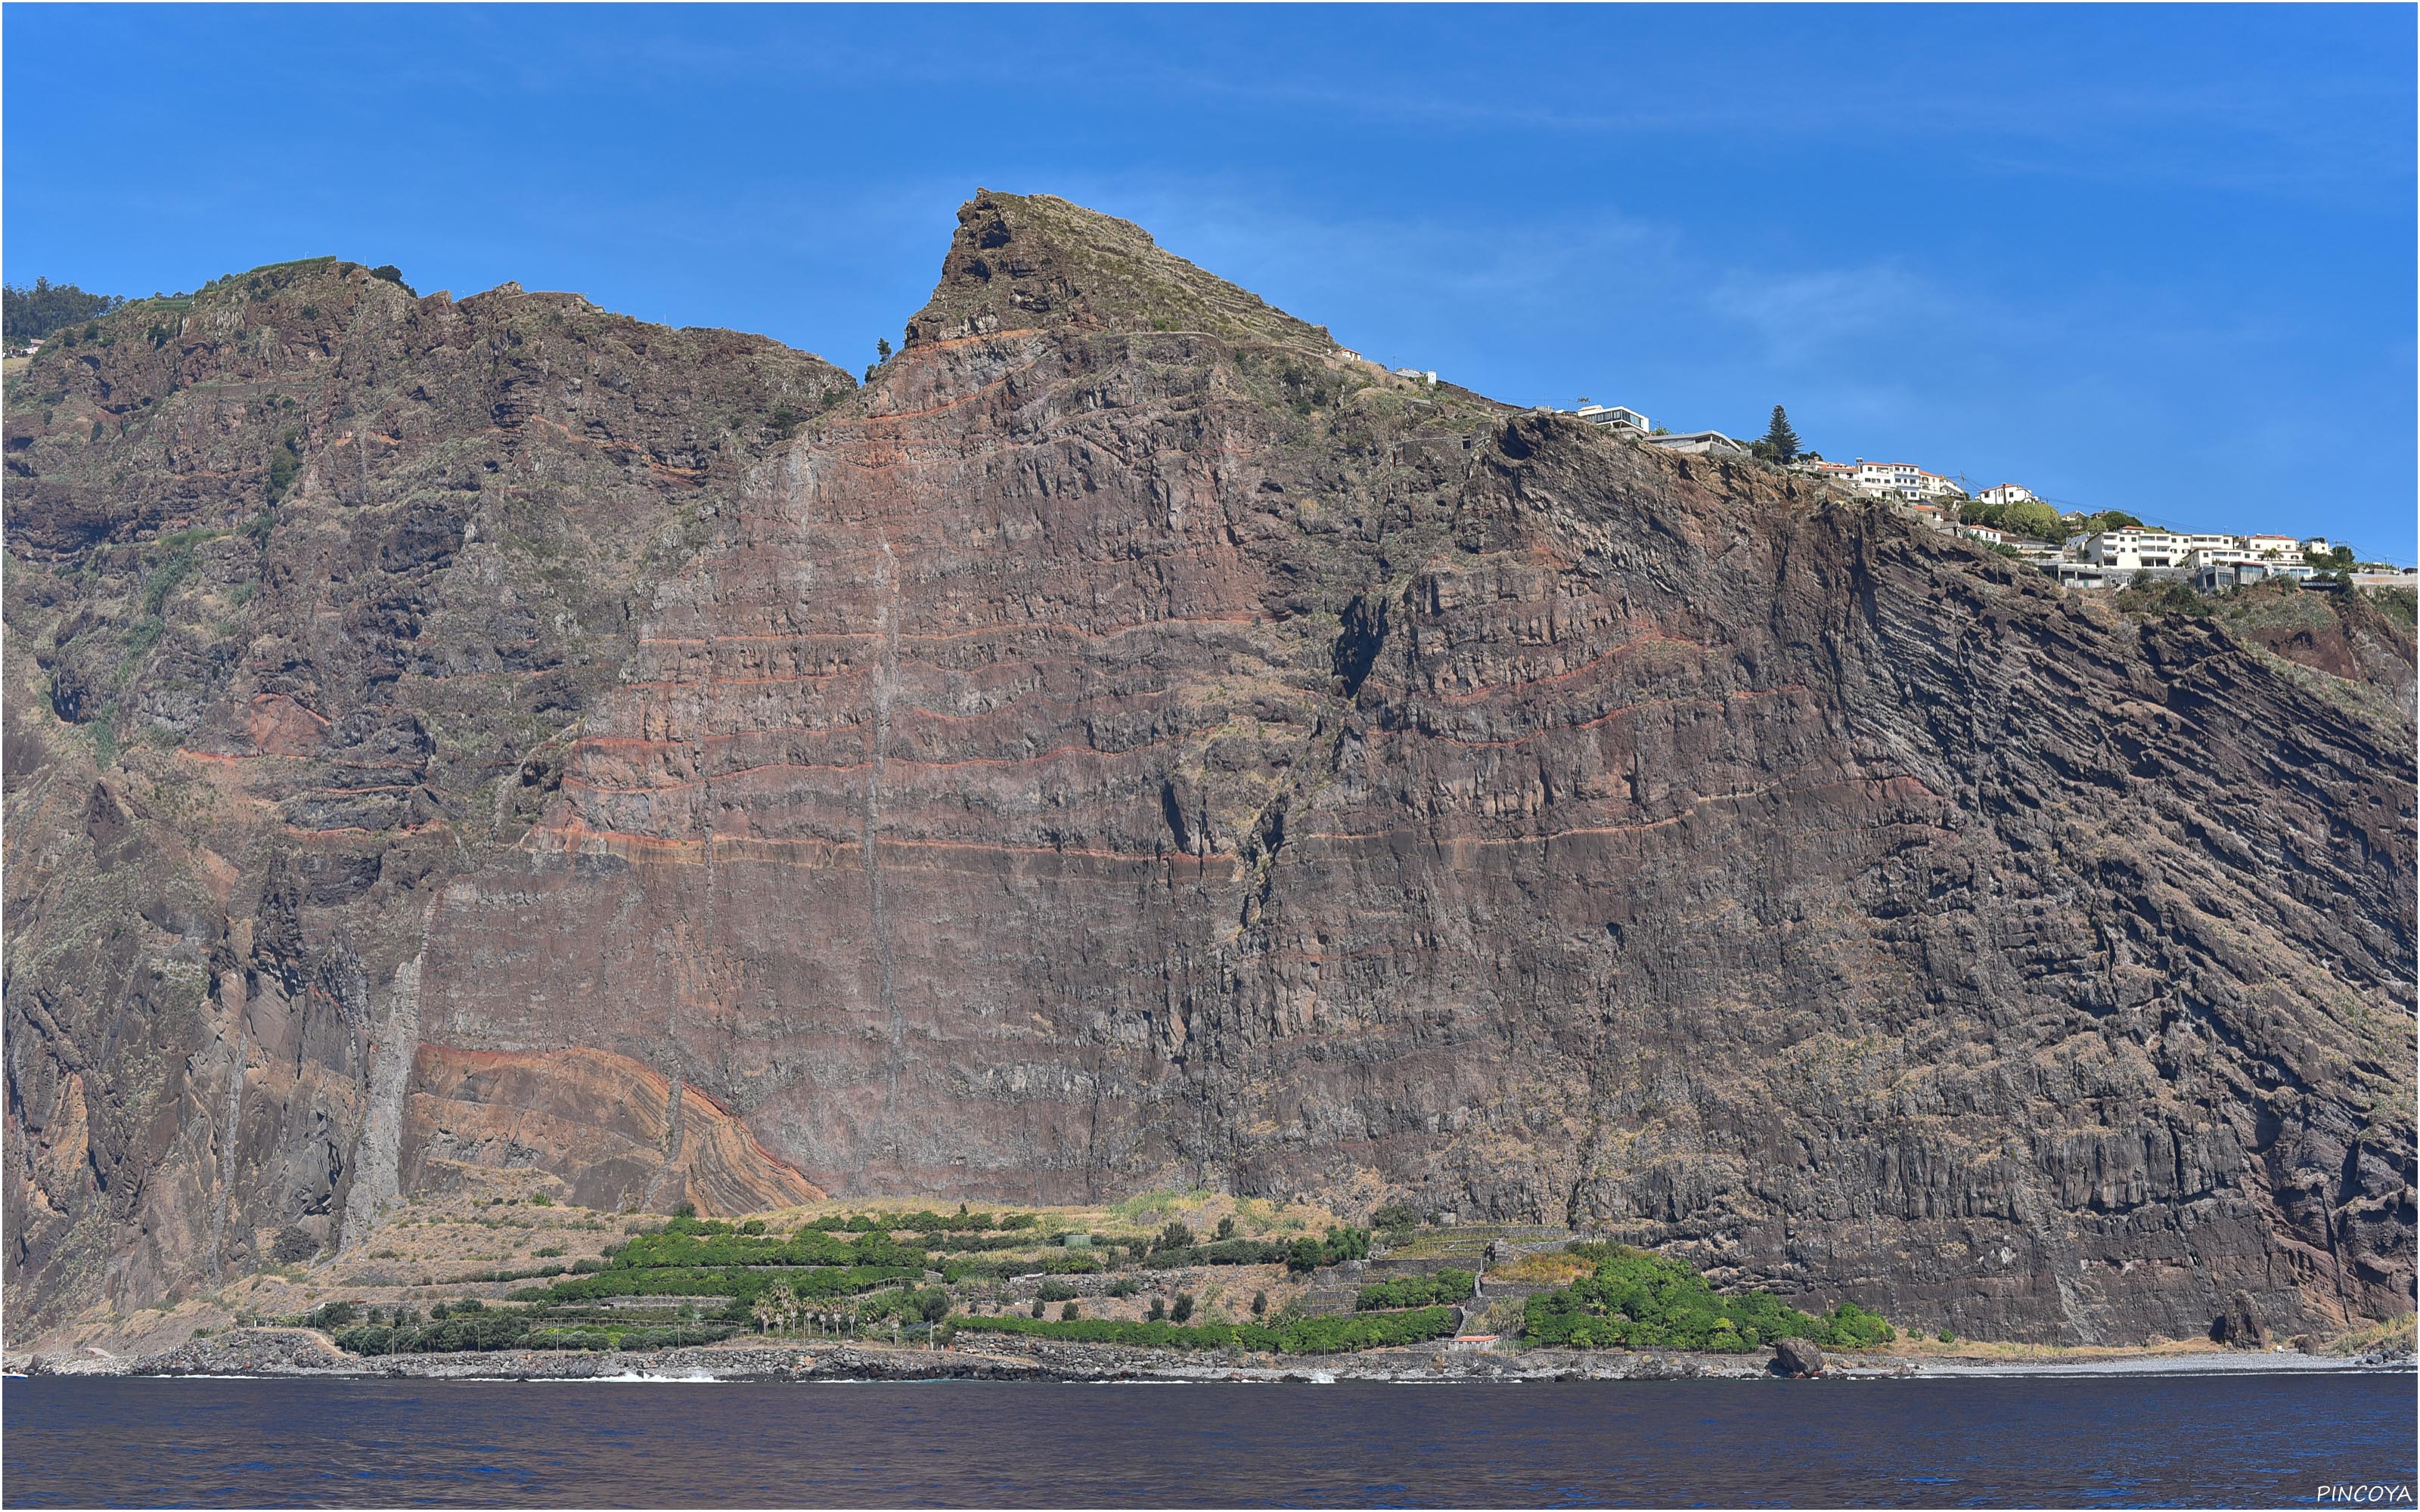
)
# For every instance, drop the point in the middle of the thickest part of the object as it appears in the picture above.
(1808, 314)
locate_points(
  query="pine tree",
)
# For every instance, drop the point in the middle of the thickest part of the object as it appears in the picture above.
(1780, 436)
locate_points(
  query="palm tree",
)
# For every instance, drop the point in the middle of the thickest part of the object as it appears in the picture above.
(785, 1302)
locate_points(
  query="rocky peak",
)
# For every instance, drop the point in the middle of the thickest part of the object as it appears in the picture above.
(1036, 261)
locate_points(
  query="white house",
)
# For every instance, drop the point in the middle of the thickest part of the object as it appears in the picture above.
(1699, 442)
(1614, 415)
(1981, 533)
(2215, 572)
(2005, 493)
(2271, 546)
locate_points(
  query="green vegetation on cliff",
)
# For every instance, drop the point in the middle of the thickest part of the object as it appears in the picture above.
(1307, 1335)
(38, 308)
(1446, 1287)
(1302, 1256)
(740, 1282)
(688, 1247)
(1637, 1300)
(486, 1331)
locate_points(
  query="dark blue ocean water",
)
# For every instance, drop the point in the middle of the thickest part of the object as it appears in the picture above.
(2115, 1442)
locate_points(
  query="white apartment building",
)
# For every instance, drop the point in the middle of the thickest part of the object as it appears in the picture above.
(2005, 493)
(2147, 550)
(1879, 480)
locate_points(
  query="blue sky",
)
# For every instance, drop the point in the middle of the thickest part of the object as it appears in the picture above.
(2156, 258)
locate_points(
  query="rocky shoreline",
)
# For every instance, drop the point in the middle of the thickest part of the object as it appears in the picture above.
(304, 1352)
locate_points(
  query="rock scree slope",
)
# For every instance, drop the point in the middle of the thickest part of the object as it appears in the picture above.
(1128, 743)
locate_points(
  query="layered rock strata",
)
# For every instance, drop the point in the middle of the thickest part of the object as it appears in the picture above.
(1130, 742)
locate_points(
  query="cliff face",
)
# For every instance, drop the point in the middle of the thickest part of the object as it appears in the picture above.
(1129, 744)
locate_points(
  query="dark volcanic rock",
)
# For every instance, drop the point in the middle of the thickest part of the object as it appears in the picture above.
(1129, 743)
(1797, 1357)
(308, 629)
(2241, 1325)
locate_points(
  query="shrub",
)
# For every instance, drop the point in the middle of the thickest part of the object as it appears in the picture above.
(1226, 1229)
(1067, 1313)
(1037, 1306)
(1183, 1311)
(541, 1200)
(1176, 1236)
(1158, 1309)
(1948, 1338)
(1260, 1303)
(330, 1316)
(284, 461)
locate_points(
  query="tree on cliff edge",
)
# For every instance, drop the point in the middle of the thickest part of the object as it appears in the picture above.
(43, 307)
(1780, 437)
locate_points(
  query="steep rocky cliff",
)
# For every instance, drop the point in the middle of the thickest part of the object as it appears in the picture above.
(1130, 743)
